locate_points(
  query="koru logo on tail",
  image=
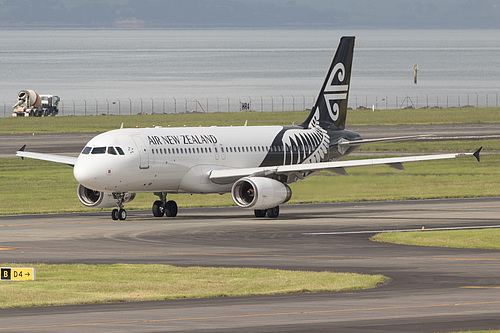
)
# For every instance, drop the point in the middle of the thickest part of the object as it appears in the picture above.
(335, 92)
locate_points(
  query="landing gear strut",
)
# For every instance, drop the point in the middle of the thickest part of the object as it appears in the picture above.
(119, 213)
(163, 207)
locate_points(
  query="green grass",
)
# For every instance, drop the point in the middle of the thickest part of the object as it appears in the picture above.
(424, 116)
(488, 331)
(469, 239)
(430, 146)
(91, 124)
(31, 186)
(83, 284)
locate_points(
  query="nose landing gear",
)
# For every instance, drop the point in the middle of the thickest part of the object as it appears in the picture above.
(119, 213)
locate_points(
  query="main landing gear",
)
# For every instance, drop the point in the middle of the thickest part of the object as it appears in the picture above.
(271, 212)
(163, 207)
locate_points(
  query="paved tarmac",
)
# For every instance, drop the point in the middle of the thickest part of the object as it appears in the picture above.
(73, 143)
(431, 289)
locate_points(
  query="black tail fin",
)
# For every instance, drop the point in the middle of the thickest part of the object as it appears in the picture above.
(330, 109)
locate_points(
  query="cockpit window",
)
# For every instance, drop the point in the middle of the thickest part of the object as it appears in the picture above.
(99, 150)
(111, 151)
(86, 150)
(120, 151)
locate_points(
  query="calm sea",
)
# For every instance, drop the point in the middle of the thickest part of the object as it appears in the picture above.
(184, 65)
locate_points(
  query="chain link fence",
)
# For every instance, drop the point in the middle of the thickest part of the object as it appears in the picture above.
(169, 105)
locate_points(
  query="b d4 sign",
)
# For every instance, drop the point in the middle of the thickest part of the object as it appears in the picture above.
(17, 273)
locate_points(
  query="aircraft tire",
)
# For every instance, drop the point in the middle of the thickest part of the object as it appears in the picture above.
(122, 214)
(114, 214)
(158, 209)
(260, 213)
(273, 212)
(171, 208)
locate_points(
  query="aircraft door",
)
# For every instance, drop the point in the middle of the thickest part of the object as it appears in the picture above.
(222, 152)
(143, 152)
(216, 150)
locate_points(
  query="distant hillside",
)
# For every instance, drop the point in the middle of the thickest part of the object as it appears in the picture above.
(448, 14)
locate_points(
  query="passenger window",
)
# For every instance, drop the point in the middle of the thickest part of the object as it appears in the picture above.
(120, 151)
(99, 150)
(86, 150)
(111, 151)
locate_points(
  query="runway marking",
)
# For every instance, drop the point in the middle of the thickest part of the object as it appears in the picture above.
(400, 230)
(253, 315)
(479, 287)
(237, 255)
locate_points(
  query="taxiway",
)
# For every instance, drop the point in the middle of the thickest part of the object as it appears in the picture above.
(431, 289)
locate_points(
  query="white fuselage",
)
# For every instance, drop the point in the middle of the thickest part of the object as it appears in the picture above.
(173, 160)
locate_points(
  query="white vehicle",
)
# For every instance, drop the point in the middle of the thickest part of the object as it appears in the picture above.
(253, 163)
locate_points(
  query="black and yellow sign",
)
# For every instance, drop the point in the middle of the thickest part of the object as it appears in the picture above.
(17, 274)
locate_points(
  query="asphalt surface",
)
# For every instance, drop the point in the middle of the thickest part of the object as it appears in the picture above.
(431, 289)
(73, 143)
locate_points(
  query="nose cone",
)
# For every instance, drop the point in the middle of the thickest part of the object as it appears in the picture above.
(88, 173)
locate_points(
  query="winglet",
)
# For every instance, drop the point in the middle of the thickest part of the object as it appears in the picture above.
(476, 153)
(22, 149)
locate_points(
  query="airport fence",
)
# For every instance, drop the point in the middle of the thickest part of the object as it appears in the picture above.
(169, 105)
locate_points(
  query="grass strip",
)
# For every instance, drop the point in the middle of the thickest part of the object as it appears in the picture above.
(467, 239)
(31, 186)
(487, 331)
(92, 124)
(84, 284)
(433, 146)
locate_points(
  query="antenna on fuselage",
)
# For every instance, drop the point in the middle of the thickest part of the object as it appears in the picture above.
(246, 121)
(121, 127)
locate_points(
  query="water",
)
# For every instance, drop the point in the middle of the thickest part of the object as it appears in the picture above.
(179, 66)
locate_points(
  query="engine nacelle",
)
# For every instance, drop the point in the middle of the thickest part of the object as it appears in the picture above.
(97, 199)
(260, 193)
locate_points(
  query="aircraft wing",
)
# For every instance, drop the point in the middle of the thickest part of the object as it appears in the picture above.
(222, 176)
(70, 160)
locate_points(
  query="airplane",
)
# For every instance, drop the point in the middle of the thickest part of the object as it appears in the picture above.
(255, 164)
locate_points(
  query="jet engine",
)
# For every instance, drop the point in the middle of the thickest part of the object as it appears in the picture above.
(97, 199)
(260, 193)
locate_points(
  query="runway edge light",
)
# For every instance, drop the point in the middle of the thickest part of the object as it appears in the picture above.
(17, 274)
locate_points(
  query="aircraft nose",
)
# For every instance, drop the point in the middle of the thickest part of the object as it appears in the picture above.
(86, 174)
